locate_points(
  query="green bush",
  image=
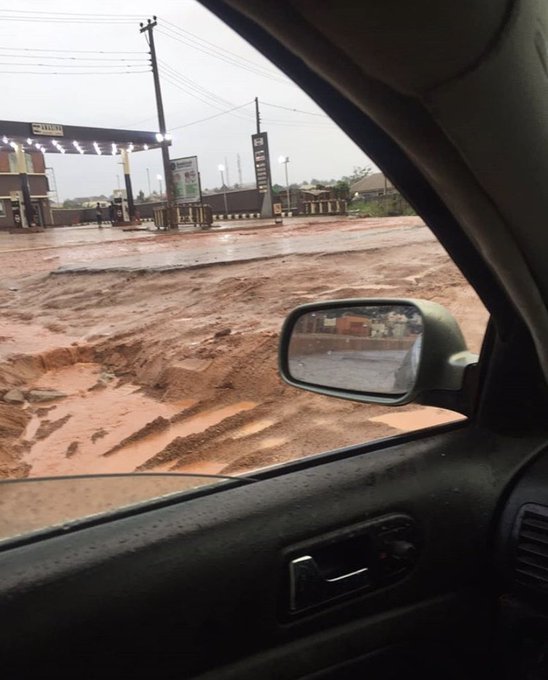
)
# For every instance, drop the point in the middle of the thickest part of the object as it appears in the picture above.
(389, 206)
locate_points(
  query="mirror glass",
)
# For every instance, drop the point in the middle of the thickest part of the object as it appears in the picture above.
(374, 348)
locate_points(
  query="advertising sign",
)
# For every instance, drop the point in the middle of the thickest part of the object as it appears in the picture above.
(186, 182)
(47, 129)
(261, 161)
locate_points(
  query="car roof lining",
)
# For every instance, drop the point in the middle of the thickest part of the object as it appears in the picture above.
(425, 123)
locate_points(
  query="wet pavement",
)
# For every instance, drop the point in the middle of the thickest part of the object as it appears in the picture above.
(89, 249)
(67, 237)
(181, 251)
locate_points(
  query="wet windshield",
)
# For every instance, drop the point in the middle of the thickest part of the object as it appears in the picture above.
(167, 197)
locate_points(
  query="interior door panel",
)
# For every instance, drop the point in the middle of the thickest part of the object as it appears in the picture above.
(202, 584)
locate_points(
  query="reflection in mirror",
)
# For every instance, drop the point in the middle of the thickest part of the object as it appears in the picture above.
(372, 348)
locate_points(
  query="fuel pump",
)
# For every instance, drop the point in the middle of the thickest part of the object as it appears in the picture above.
(121, 208)
(18, 209)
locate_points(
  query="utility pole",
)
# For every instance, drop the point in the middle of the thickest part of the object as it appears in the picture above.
(148, 28)
(227, 173)
(257, 115)
(239, 162)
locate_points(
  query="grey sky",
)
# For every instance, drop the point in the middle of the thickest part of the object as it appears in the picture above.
(315, 146)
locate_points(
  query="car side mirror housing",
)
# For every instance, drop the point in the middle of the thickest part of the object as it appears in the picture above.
(377, 351)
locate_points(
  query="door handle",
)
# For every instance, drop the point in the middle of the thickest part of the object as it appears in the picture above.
(308, 587)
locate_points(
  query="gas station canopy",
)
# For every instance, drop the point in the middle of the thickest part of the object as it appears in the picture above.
(72, 139)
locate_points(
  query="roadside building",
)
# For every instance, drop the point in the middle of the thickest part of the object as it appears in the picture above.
(38, 184)
(372, 186)
(354, 325)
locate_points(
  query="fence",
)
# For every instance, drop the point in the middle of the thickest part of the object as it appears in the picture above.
(331, 206)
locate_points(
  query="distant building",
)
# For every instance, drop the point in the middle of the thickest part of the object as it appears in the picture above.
(38, 183)
(372, 186)
(307, 194)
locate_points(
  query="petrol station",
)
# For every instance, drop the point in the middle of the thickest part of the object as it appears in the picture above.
(21, 141)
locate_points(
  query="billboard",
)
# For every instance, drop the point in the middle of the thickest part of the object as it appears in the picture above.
(186, 182)
(261, 161)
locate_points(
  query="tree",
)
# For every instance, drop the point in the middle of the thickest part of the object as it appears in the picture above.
(341, 189)
(71, 203)
(358, 172)
(141, 197)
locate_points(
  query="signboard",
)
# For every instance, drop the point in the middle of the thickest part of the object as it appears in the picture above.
(47, 129)
(261, 162)
(186, 181)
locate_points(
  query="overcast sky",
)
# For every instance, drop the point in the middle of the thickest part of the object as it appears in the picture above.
(195, 84)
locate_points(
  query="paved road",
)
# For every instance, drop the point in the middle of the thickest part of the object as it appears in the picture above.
(92, 250)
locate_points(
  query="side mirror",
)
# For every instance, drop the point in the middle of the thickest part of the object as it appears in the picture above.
(376, 351)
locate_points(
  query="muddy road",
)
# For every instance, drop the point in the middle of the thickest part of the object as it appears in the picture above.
(139, 351)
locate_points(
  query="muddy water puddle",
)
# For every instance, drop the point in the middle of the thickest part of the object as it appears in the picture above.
(72, 435)
(137, 453)
(18, 338)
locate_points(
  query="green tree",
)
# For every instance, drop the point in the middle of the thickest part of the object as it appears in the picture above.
(341, 189)
(71, 203)
(140, 197)
(358, 172)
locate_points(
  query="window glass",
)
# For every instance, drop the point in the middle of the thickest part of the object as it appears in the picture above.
(29, 163)
(156, 351)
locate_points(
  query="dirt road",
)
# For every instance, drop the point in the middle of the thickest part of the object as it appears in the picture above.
(159, 350)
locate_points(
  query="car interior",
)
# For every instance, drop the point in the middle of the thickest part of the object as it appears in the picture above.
(422, 555)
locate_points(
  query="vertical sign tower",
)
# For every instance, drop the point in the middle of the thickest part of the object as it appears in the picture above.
(261, 161)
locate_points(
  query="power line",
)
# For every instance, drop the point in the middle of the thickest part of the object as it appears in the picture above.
(215, 115)
(52, 20)
(287, 108)
(184, 32)
(53, 58)
(73, 73)
(36, 49)
(128, 66)
(66, 17)
(195, 90)
(226, 60)
(143, 120)
(72, 14)
(220, 56)
(194, 86)
(173, 81)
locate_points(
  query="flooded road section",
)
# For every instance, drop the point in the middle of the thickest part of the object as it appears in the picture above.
(207, 249)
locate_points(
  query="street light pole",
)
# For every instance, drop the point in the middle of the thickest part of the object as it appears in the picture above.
(223, 186)
(148, 181)
(159, 178)
(285, 161)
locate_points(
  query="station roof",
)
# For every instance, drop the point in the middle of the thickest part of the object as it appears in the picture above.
(73, 139)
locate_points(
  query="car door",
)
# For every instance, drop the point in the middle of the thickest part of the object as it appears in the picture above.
(372, 561)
